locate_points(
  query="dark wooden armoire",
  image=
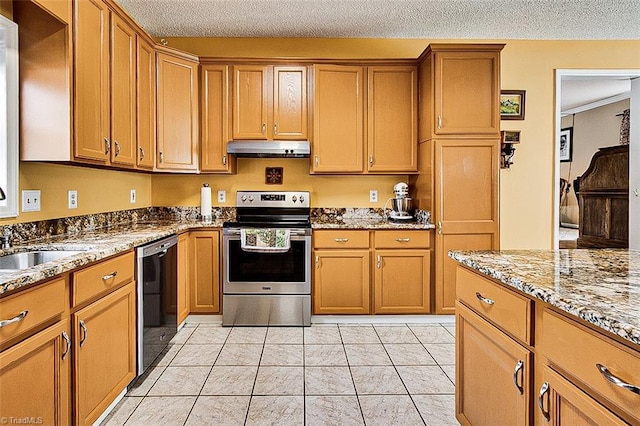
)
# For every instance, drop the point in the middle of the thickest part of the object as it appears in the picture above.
(604, 199)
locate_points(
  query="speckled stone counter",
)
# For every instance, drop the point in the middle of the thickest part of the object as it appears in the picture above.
(600, 286)
(363, 218)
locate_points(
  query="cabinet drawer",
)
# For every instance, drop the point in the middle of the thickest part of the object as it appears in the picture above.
(31, 308)
(577, 350)
(506, 309)
(102, 277)
(341, 239)
(401, 239)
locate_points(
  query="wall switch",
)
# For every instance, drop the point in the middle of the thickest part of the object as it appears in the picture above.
(373, 196)
(72, 197)
(222, 196)
(31, 201)
(132, 196)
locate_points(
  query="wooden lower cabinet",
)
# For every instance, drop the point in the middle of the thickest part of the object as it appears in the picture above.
(182, 291)
(492, 374)
(562, 403)
(341, 282)
(401, 282)
(204, 274)
(104, 339)
(35, 378)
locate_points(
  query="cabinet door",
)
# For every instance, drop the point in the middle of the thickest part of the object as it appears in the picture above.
(341, 282)
(561, 403)
(205, 272)
(338, 115)
(183, 277)
(492, 374)
(289, 103)
(146, 101)
(91, 81)
(467, 92)
(466, 207)
(402, 282)
(215, 119)
(123, 92)
(35, 377)
(177, 113)
(251, 89)
(105, 352)
(392, 117)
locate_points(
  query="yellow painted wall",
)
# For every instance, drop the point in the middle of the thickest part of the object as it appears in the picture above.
(326, 191)
(6, 8)
(98, 190)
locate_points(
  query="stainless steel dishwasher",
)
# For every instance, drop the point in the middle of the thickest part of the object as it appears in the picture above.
(156, 276)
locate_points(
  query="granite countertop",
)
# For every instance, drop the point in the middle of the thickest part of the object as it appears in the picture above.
(93, 246)
(600, 286)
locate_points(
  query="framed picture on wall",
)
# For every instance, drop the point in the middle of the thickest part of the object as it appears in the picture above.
(566, 144)
(512, 104)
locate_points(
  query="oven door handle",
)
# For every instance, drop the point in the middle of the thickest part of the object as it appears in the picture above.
(292, 232)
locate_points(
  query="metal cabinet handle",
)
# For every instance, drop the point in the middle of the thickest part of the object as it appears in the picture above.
(264, 128)
(316, 160)
(17, 318)
(317, 262)
(85, 332)
(439, 122)
(117, 151)
(379, 262)
(341, 240)
(275, 128)
(107, 146)
(67, 341)
(439, 227)
(519, 368)
(109, 276)
(224, 160)
(616, 380)
(403, 240)
(141, 153)
(161, 155)
(484, 299)
(371, 161)
(543, 390)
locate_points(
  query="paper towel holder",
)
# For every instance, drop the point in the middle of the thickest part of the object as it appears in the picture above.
(205, 203)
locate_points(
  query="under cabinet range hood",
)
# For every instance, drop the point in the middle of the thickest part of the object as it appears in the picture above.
(269, 149)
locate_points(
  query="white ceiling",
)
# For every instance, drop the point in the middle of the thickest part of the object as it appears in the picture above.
(441, 19)
(578, 93)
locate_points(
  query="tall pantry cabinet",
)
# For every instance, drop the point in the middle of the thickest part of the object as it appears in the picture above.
(459, 154)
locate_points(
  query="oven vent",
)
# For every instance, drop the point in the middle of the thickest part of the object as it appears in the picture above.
(269, 149)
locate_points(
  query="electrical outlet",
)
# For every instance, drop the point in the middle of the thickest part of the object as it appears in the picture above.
(31, 201)
(222, 196)
(132, 196)
(373, 196)
(72, 197)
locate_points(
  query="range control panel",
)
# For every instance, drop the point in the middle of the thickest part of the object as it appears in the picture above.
(272, 199)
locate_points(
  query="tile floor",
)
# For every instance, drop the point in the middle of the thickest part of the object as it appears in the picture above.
(319, 375)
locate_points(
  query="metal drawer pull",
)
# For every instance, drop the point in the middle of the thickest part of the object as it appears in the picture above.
(65, 336)
(403, 240)
(439, 227)
(519, 366)
(316, 157)
(379, 263)
(141, 153)
(107, 146)
(264, 128)
(117, 144)
(109, 276)
(543, 390)
(341, 240)
(317, 262)
(224, 160)
(17, 318)
(85, 333)
(616, 381)
(371, 161)
(275, 129)
(484, 299)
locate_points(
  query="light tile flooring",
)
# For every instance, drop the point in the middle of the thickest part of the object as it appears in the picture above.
(319, 375)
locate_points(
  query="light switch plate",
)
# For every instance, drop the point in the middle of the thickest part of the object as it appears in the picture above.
(132, 196)
(373, 196)
(222, 196)
(72, 197)
(31, 200)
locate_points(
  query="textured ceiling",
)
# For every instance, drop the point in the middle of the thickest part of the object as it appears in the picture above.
(441, 19)
(577, 92)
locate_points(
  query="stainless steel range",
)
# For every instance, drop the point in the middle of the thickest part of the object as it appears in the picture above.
(267, 260)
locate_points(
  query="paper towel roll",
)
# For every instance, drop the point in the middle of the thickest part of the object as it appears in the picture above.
(205, 201)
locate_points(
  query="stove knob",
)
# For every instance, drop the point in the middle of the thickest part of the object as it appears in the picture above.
(243, 198)
(301, 199)
(294, 199)
(251, 198)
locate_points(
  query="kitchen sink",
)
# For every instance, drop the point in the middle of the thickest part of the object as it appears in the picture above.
(27, 259)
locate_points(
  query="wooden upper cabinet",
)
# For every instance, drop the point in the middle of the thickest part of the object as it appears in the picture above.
(466, 91)
(269, 102)
(392, 113)
(177, 109)
(146, 101)
(123, 92)
(338, 116)
(92, 104)
(215, 120)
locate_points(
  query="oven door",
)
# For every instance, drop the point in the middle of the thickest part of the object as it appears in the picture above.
(267, 273)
